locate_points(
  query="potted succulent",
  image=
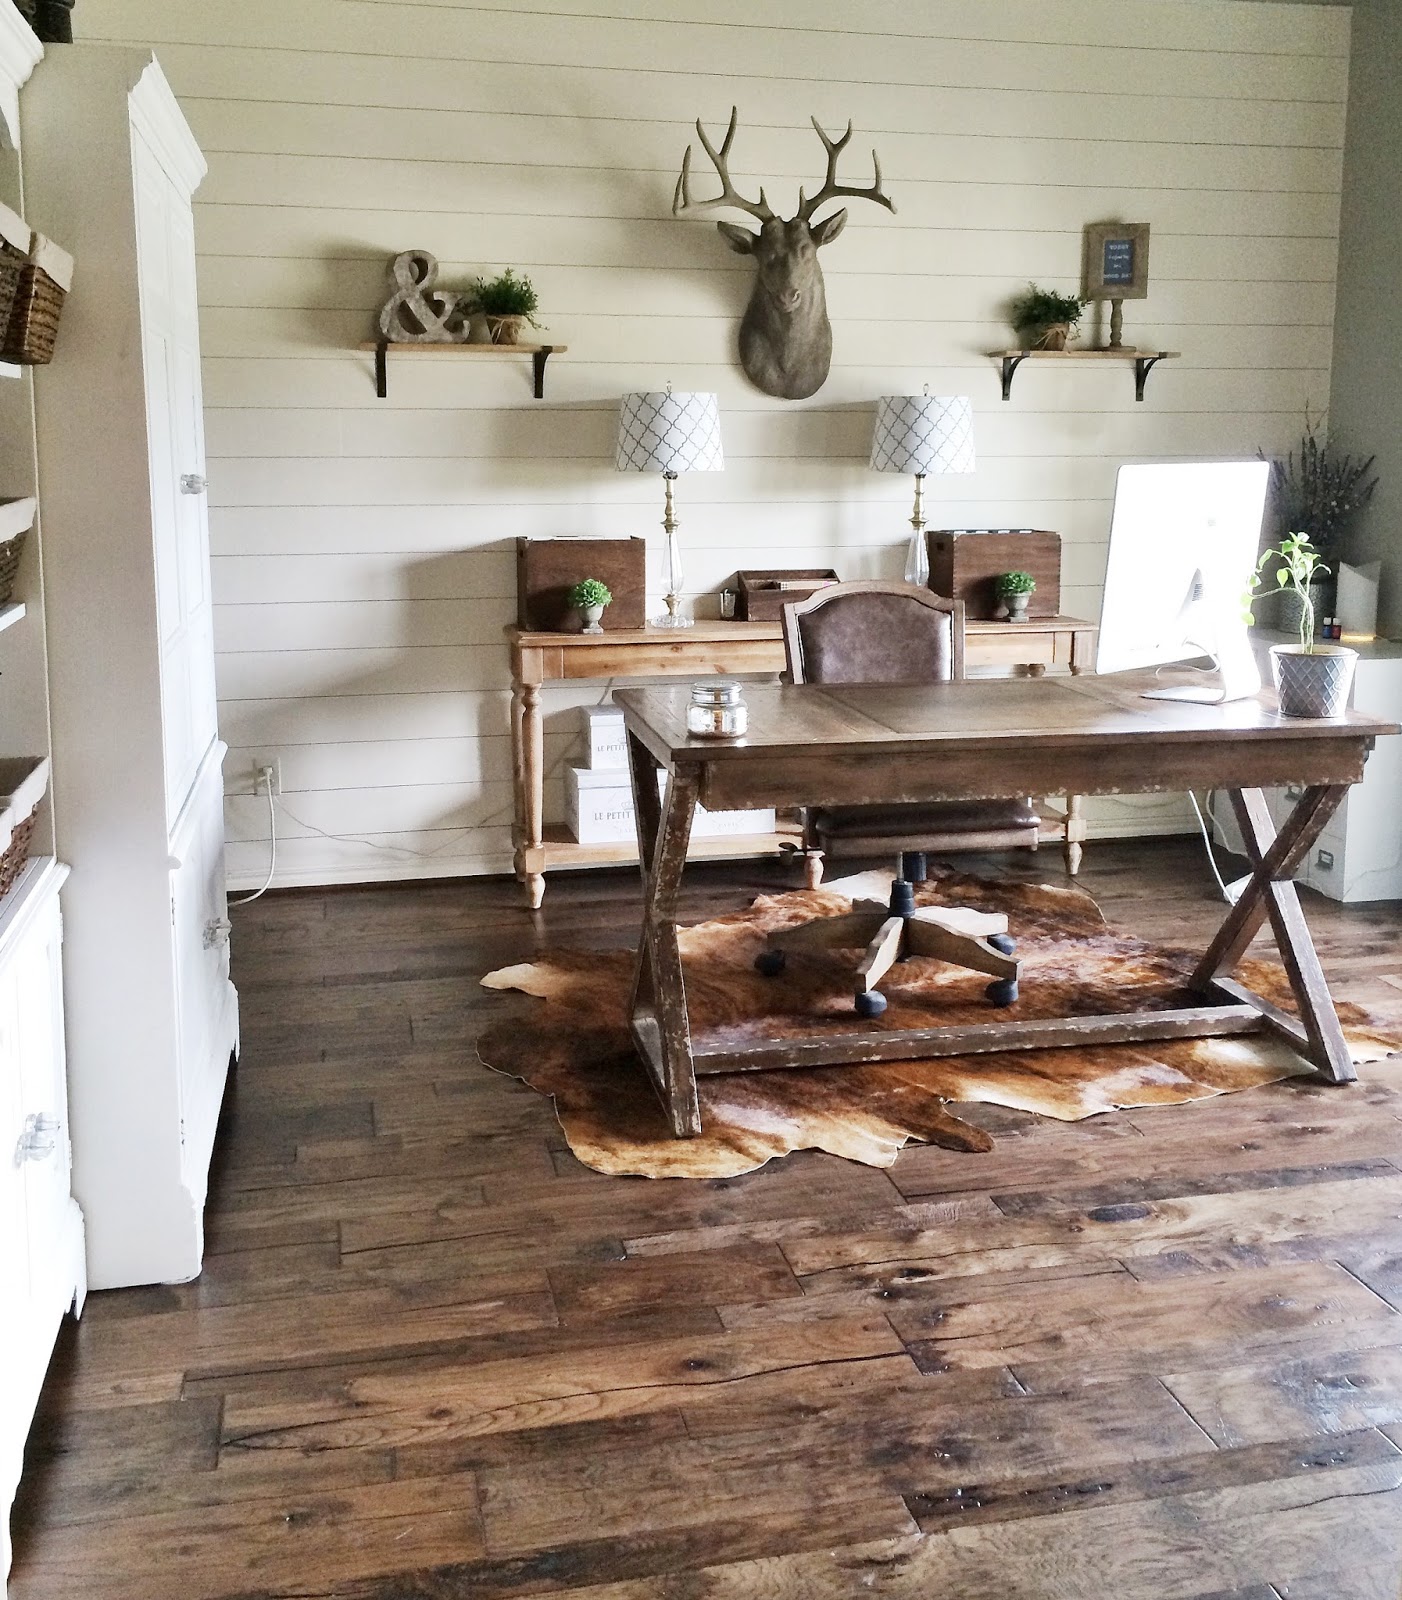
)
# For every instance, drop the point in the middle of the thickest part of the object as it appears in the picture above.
(1044, 319)
(508, 303)
(1015, 590)
(589, 597)
(1312, 679)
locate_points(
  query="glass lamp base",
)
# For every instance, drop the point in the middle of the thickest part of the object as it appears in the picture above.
(669, 619)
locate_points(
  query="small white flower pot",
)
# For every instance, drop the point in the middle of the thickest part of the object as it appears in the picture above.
(1313, 683)
(591, 618)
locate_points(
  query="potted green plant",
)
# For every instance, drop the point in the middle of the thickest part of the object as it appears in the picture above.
(1015, 590)
(1044, 319)
(507, 302)
(589, 597)
(1312, 679)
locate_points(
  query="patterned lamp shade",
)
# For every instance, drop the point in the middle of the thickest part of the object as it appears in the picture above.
(923, 433)
(671, 433)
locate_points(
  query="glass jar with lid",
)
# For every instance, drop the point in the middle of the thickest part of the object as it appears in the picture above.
(717, 711)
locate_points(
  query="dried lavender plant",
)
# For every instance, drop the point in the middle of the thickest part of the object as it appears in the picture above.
(1319, 491)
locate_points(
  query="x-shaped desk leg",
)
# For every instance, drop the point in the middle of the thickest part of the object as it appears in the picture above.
(1271, 893)
(657, 1007)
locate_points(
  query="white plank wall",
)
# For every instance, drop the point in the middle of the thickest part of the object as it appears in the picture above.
(363, 549)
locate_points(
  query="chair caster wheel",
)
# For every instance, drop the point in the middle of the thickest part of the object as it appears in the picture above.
(1004, 943)
(770, 963)
(870, 1003)
(1002, 992)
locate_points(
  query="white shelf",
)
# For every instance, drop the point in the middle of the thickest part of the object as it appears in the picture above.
(11, 614)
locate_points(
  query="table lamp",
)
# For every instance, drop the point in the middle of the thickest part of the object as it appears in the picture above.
(671, 434)
(922, 433)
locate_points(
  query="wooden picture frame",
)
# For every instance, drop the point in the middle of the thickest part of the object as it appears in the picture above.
(1116, 261)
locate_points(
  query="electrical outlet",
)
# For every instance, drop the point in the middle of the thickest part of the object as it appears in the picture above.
(1324, 860)
(251, 780)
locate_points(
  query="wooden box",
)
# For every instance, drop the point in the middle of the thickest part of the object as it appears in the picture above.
(966, 562)
(547, 569)
(762, 596)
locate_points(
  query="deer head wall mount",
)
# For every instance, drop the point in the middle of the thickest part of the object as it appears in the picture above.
(785, 336)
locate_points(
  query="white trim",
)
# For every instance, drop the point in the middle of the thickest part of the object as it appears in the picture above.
(157, 114)
(20, 53)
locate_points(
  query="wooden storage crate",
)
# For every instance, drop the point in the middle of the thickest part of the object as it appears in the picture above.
(762, 596)
(547, 569)
(965, 564)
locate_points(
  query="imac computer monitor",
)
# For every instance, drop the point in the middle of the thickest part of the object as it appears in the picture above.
(1183, 550)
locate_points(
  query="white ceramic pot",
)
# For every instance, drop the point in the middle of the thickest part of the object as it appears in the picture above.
(1016, 606)
(591, 616)
(1314, 683)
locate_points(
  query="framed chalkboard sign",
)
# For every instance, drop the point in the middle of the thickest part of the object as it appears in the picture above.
(1116, 261)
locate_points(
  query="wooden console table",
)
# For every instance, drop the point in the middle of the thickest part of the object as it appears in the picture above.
(723, 649)
(813, 744)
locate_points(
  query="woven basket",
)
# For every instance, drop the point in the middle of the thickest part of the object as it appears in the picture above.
(12, 265)
(10, 552)
(16, 853)
(26, 9)
(33, 322)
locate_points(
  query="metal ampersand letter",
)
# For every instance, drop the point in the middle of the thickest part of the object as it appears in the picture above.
(417, 313)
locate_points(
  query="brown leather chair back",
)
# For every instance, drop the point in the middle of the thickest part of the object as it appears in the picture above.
(874, 632)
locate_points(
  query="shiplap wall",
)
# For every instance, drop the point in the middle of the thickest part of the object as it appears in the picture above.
(363, 549)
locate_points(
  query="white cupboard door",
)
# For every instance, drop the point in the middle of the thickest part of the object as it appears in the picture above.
(170, 338)
(14, 1227)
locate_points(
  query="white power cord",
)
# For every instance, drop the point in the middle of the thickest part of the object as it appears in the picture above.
(1231, 892)
(265, 777)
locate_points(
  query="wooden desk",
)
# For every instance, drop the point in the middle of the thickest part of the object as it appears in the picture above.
(722, 649)
(815, 745)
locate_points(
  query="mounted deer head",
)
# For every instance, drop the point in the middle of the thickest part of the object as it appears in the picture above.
(785, 337)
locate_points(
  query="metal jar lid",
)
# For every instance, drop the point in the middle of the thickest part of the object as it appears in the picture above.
(724, 693)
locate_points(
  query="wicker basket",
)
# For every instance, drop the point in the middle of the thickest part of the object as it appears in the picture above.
(16, 853)
(13, 261)
(33, 324)
(10, 552)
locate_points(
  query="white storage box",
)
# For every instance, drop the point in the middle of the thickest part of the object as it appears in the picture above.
(599, 805)
(599, 810)
(604, 739)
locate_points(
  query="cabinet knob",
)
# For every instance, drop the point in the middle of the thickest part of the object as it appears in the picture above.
(38, 1140)
(193, 483)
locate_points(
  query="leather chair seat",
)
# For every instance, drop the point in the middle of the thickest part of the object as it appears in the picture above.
(935, 821)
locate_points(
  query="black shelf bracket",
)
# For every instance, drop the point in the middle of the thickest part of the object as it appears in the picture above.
(1142, 365)
(538, 360)
(1010, 366)
(381, 369)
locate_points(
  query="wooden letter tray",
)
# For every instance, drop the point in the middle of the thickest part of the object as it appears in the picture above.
(762, 596)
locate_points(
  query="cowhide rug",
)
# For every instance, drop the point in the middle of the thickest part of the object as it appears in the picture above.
(576, 1047)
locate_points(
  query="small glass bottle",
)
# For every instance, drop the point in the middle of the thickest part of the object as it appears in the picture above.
(717, 711)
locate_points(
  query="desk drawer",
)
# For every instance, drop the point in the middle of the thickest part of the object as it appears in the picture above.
(685, 658)
(1031, 648)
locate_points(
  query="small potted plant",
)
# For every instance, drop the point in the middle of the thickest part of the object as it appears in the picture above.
(589, 597)
(1015, 590)
(508, 303)
(1312, 679)
(1044, 319)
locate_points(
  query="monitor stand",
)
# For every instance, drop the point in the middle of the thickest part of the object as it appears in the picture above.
(1238, 677)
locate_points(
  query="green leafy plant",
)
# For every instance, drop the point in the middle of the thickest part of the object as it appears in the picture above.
(1299, 564)
(590, 592)
(506, 295)
(1316, 491)
(1016, 583)
(1040, 308)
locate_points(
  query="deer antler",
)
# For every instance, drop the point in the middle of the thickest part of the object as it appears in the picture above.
(682, 201)
(831, 188)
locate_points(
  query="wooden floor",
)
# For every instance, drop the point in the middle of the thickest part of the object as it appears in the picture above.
(431, 1356)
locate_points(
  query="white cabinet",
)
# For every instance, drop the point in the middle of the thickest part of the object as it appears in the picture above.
(1358, 856)
(41, 1228)
(110, 168)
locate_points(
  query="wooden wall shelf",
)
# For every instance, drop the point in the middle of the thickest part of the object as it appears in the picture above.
(539, 354)
(1144, 361)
